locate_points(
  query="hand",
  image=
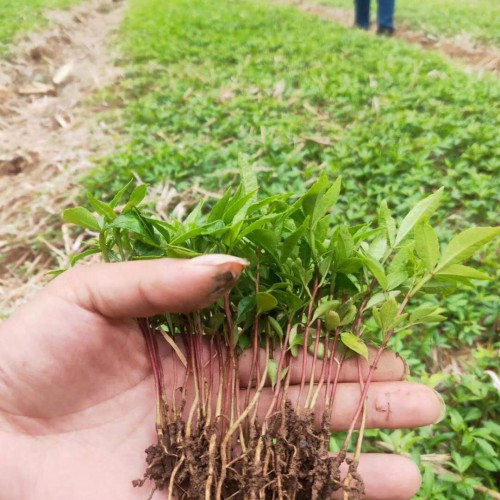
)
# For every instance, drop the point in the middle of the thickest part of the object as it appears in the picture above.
(77, 401)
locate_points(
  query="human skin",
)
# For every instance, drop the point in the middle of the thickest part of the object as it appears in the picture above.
(77, 399)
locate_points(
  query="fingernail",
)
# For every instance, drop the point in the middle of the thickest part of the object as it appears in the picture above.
(227, 270)
(217, 259)
(442, 407)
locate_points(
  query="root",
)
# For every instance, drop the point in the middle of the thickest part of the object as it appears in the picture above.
(290, 460)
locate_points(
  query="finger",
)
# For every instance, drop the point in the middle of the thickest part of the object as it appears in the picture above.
(386, 477)
(144, 288)
(390, 367)
(391, 405)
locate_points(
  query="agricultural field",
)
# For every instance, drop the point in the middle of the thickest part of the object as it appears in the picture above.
(207, 80)
(478, 19)
(19, 17)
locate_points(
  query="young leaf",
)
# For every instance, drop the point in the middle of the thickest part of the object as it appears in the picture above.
(388, 313)
(81, 217)
(332, 320)
(376, 269)
(136, 197)
(377, 248)
(276, 327)
(101, 208)
(425, 311)
(290, 243)
(265, 302)
(218, 209)
(323, 308)
(347, 313)
(423, 209)
(248, 177)
(325, 202)
(378, 298)
(463, 271)
(386, 221)
(465, 244)
(119, 195)
(426, 245)
(354, 343)
(133, 222)
(272, 371)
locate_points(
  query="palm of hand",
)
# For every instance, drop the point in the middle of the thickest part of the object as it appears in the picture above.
(91, 410)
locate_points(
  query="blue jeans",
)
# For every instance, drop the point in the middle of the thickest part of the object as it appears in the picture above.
(385, 13)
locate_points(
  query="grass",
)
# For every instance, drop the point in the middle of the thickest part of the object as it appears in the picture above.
(207, 80)
(478, 18)
(20, 17)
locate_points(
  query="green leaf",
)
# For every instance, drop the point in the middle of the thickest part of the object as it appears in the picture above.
(377, 248)
(218, 209)
(248, 177)
(355, 344)
(395, 279)
(265, 302)
(245, 306)
(272, 371)
(376, 269)
(101, 208)
(81, 217)
(309, 199)
(85, 253)
(427, 314)
(351, 265)
(137, 195)
(486, 464)
(323, 308)
(378, 298)
(332, 320)
(465, 244)
(176, 252)
(463, 271)
(276, 326)
(264, 238)
(133, 222)
(290, 243)
(386, 221)
(325, 202)
(347, 312)
(119, 195)
(485, 447)
(388, 313)
(426, 245)
(423, 209)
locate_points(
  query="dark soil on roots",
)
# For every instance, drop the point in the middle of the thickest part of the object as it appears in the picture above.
(288, 460)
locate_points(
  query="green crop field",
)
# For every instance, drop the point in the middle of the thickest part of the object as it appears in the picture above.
(480, 19)
(19, 17)
(207, 80)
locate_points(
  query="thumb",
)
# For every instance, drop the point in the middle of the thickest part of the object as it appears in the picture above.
(144, 288)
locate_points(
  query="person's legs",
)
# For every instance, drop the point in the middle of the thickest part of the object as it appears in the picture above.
(385, 16)
(362, 14)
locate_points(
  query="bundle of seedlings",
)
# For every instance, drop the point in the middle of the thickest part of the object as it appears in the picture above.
(316, 291)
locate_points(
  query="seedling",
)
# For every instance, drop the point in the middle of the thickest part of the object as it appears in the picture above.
(315, 287)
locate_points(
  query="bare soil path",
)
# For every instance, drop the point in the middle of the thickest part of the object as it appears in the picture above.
(475, 57)
(49, 133)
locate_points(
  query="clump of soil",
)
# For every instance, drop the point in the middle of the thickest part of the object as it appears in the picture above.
(289, 460)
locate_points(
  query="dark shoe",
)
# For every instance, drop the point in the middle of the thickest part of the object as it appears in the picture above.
(385, 31)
